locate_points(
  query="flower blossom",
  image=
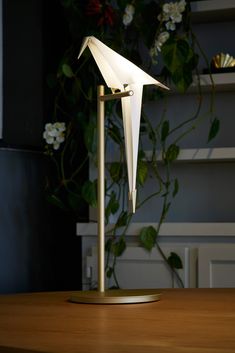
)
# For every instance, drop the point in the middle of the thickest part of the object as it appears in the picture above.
(161, 39)
(128, 15)
(170, 26)
(156, 48)
(170, 15)
(54, 134)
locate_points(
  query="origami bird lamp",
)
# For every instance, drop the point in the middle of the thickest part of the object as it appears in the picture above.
(126, 82)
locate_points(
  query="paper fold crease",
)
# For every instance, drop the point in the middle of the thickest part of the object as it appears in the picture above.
(120, 73)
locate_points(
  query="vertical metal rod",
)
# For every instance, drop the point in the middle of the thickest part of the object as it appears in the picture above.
(101, 190)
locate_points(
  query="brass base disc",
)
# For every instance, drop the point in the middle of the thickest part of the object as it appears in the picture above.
(127, 296)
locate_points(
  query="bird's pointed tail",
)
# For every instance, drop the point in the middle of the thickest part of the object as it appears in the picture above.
(132, 199)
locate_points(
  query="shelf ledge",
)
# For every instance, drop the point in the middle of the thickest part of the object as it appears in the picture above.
(213, 11)
(167, 229)
(192, 155)
(219, 154)
(222, 81)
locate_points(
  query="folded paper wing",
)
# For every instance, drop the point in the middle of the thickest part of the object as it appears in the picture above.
(120, 73)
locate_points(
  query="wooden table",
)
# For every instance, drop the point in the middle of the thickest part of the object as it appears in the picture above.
(184, 320)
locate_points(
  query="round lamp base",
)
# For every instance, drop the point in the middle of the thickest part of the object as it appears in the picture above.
(127, 296)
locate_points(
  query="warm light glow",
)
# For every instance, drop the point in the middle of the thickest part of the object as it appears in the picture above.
(121, 74)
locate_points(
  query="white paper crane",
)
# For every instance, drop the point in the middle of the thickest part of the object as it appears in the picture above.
(120, 73)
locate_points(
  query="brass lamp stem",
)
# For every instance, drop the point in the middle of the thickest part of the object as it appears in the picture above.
(101, 98)
(101, 190)
(102, 296)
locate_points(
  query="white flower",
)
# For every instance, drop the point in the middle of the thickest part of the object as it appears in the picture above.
(49, 139)
(170, 26)
(56, 145)
(181, 6)
(161, 39)
(176, 17)
(153, 54)
(168, 7)
(130, 10)
(54, 134)
(153, 51)
(127, 19)
(172, 13)
(60, 126)
(163, 36)
(163, 17)
(60, 138)
(49, 128)
(128, 14)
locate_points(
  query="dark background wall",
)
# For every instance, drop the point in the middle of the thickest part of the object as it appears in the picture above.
(23, 72)
(38, 246)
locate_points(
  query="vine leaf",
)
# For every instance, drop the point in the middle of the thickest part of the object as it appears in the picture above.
(89, 192)
(175, 52)
(67, 70)
(142, 172)
(147, 237)
(172, 153)
(214, 129)
(174, 261)
(122, 219)
(112, 206)
(165, 130)
(176, 187)
(108, 244)
(54, 200)
(116, 171)
(119, 247)
(180, 60)
(182, 78)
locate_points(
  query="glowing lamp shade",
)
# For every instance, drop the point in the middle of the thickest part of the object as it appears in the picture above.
(119, 73)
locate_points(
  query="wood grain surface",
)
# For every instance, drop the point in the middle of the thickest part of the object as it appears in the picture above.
(184, 320)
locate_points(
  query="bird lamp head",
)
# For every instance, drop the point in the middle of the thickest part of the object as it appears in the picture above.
(121, 74)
